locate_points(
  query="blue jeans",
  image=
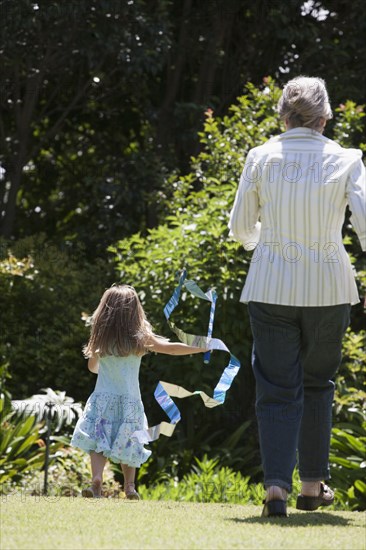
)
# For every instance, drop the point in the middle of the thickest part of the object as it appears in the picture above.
(296, 353)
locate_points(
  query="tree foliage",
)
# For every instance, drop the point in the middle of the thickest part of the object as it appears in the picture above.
(102, 99)
(74, 75)
(101, 116)
(195, 235)
(44, 294)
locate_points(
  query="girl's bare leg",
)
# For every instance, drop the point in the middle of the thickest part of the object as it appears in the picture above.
(129, 473)
(98, 461)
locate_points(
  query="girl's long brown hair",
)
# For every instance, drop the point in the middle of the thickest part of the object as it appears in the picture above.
(119, 325)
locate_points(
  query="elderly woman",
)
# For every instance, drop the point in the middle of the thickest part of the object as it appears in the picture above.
(300, 287)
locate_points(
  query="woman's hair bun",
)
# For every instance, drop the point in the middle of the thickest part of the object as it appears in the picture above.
(304, 102)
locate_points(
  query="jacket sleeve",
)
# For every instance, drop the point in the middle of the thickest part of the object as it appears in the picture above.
(356, 196)
(244, 221)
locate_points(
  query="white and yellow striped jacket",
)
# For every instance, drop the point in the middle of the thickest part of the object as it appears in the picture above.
(298, 185)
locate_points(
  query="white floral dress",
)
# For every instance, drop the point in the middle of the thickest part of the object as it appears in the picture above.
(113, 412)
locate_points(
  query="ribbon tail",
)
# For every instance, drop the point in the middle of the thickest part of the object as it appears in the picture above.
(152, 434)
(165, 391)
(173, 302)
(213, 296)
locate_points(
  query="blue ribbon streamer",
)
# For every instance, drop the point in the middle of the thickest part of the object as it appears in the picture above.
(207, 355)
(164, 390)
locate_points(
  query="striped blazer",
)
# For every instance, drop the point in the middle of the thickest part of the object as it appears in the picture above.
(290, 208)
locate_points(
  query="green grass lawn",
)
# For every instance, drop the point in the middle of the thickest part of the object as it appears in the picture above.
(74, 523)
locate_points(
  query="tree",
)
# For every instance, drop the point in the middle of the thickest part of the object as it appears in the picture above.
(101, 100)
(194, 234)
(44, 296)
(66, 66)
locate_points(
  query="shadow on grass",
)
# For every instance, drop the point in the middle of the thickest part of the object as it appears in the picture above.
(299, 519)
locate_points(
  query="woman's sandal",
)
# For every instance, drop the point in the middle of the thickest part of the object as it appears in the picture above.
(274, 508)
(325, 498)
(131, 494)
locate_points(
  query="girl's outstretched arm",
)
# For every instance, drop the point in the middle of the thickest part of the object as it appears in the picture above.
(160, 345)
(93, 364)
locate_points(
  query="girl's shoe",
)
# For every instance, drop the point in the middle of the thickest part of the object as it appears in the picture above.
(325, 498)
(130, 491)
(274, 508)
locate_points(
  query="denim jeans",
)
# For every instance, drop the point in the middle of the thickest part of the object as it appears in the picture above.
(296, 353)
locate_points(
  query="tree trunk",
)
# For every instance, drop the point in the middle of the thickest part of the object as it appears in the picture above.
(9, 207)
(174, 70)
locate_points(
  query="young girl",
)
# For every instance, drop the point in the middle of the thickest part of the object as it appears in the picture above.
(120, 336)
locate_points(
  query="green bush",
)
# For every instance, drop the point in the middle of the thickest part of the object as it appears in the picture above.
(348, 461)
(206, 482)
(68, 474)
(348, 442)
(44, 289)
(61, 409)
(56, 283)
(350, 389)
(194, 234)
(22, 448)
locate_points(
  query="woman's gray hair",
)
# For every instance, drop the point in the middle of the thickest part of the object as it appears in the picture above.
(304, 102)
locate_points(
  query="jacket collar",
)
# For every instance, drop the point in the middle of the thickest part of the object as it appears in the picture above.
(301, 132)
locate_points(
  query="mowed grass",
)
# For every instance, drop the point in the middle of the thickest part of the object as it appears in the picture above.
(75, 523)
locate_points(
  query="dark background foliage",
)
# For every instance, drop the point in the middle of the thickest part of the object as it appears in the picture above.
(101, 99)
(103, 105)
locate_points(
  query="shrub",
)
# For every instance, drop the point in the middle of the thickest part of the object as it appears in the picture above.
(55, 286)
(348, 442)
(68, 474)
(208, 481)
(22, 448)
(44, 289)
(55, 405)
(194, 234)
